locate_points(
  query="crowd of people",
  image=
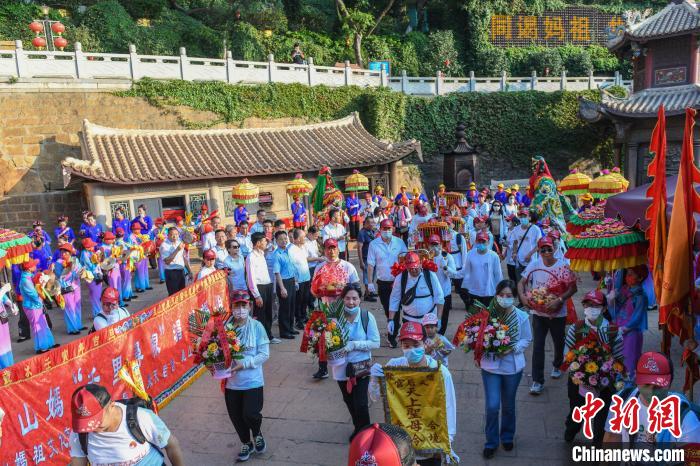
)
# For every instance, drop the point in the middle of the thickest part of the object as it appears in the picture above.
(271, 266)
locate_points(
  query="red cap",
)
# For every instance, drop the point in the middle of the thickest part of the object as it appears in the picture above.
(330, 243)
(412, 260)
(386, 224)
(159, 221)
(209, 254)
(178, 218)
(88, 243)
(555, 234)
(545, 241)
(240, 296)
(482, 237)
(208, 228)
(411, 331)
(594, 297)
(110, 295)
(120, 231)
(86, 410)
(481, 219)
(66, 247)
(109, 235)
(373, 447)
(136, 226)
(30, 263)
(523, 213)
(434, 239)
(654, 369)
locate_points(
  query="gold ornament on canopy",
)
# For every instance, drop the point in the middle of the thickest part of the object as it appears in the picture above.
(617, 174)
(605, 185)
(299, 185)
(574, 183)
(245, 192)
(356, 182)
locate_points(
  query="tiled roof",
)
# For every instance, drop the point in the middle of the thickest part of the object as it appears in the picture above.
(123, 156)
(646, 103)
(676, 18)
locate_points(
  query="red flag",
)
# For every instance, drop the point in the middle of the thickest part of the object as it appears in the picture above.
(678, 271)
(656, 212)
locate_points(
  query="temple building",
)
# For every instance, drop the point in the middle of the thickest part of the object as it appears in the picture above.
(664, 52)
(176, 171)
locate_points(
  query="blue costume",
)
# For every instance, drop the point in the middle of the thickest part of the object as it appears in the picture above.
(352, 206)
(240, 214)
(146, 224)
(34, 309)
(378, 198)
(124, 224)
(501, 196)
(398, 197)
(298, 214)
(67, 232)
(92, 232)
(95, 289)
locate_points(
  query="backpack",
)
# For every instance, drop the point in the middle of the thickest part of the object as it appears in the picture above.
(92, 329)
(364, 318)
(132, 422)
(404, 280)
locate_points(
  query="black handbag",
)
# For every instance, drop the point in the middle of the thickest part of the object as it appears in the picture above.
(67, 289)
(358, 369)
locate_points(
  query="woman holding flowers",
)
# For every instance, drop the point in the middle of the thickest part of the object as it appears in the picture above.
(244, 389)
(502, 370)
(362, 338)
(592, 355)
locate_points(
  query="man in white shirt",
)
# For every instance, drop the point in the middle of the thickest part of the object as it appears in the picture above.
(445, 270)
(111, 312)
(458, 249)
(258, 226)
(260, 283)
(525, 238)
(219, 248)
(540, 274)
(335, 230)
(300, 258)
(367, 205)
(421, 216)
(415, 293)
(382, 254)
(482, 271)
(243, 238)
(172, 250)
(209, 238)
(314, 257)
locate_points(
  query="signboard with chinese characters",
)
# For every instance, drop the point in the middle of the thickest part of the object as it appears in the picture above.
(36, 394)
(670, 76)
(573, 25)
(414, 398)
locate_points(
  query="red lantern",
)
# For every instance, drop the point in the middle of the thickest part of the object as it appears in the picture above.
(58, 28)
(447, 62)
(39, 42)
(60, 43)
(36, 27)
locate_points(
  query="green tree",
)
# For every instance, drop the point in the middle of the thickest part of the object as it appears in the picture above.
(111, 23)
(360, 22)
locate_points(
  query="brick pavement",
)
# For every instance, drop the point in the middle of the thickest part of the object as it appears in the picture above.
(306, 422)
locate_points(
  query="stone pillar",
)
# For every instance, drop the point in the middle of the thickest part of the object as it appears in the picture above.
(94, 193)
(404, 82)
(472, 82)
(504, 75)
(533, 80)
(270, 67)
(183, 63)
(590, 79)
(562, 85)
(229, 67)
(310, 71)
(133, 62)
(394, 182)
(79, 58)
(348, 73)
(438, 76)
(631, 165)
(20, 60)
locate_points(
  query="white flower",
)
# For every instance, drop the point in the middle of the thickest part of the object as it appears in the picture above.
(501, 334)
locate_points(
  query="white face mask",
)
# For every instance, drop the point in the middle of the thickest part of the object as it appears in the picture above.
(505, 303)
(592, 313)
(386, 234)
(240, 312)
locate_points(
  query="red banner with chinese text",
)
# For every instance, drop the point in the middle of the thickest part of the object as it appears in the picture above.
(35, 394)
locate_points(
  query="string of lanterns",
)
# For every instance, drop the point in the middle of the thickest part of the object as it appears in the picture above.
(39, 41)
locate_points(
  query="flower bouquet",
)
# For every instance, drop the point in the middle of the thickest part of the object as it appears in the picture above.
(592, 366)
(325, 334)
(329, 281)
(556, 285)
(492, 337)
(540, 298)
(214, 342)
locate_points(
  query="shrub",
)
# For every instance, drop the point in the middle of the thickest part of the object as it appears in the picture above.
(324, 50)
(577, 61)
(14, 19)
(544, 58)
(144, 8)
(109, 21)
(603, 61)
(173, 30)
(87, 39)
(490, 61)
(263, 14)
(247, 43)
(442, 54)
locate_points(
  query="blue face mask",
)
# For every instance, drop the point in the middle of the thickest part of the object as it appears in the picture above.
(481, 247)
(352, 310)
(414, 355)
(524, 221)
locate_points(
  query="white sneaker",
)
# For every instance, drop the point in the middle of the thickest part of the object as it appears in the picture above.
(275, 341)
(536, 388)
(556, 373)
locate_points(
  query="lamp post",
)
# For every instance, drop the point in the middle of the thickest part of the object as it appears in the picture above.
(53, 32)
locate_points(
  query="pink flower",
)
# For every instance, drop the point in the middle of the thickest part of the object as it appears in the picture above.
(593, 380)
(578, 375)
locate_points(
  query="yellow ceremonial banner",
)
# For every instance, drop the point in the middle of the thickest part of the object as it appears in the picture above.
(414, 398)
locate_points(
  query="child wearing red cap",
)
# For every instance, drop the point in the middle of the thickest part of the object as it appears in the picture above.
(608, 334)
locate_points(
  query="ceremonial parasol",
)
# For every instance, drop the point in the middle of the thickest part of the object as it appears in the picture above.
(16, 246)
(616, 173)
(574, 183)
(356, 182)
(592, 216)
(607, 247)
(2, 258)
(432, 227)
(605, 185)
(299, 185)
(245, 192)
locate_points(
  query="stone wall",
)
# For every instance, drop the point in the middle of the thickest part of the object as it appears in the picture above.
(39, 129)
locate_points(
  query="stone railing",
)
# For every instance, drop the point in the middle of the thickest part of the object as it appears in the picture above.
(20, 64)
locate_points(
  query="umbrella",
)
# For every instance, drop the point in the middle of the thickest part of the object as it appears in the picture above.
(245, 192)
(632, 205)
(607, 247)
(299, 185)
(574, 183)
(356, 182)
(616, 173)
(16, 246)
(605, 186)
